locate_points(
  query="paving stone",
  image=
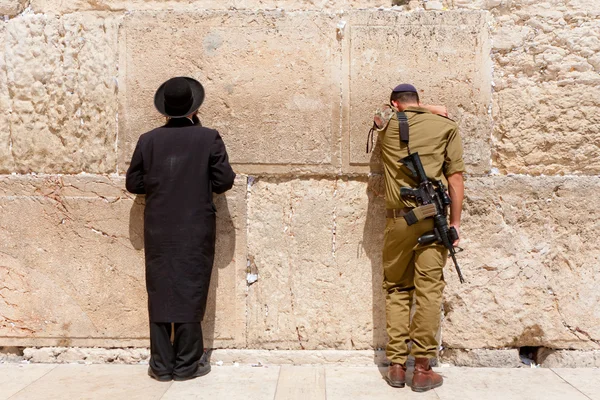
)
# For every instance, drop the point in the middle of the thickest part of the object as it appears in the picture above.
(366, 384)
(505, 384)
(299, 383)
(16, 377)
(95, 382)
(256, 383)
(586, 381)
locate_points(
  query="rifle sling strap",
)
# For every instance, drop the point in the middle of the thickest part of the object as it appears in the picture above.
(420, 213)
(403, 126)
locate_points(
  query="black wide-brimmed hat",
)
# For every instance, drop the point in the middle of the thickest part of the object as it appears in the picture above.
(179, 97)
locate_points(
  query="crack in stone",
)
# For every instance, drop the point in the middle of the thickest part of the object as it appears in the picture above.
(574, 330)
(14, 324)
(334, 227)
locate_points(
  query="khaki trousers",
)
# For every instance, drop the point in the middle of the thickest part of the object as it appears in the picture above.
(412, 271)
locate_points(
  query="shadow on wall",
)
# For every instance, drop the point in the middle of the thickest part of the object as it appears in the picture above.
(372, 244)
(224, 253)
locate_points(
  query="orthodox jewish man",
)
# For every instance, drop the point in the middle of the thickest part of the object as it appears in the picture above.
(178, 167)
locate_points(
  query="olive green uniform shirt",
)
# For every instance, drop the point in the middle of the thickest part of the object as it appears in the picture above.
(438, 143)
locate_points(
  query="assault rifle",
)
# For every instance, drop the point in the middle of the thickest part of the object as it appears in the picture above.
(433, 201)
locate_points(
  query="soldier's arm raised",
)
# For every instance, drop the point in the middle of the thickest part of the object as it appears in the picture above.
(440, 110)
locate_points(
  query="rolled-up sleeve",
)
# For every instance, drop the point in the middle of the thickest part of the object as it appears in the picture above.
(453, 161)
(134, 180)
(221, 173)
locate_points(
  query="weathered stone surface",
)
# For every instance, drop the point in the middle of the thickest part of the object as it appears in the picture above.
(314, 244)
(6, 158)
(519, 232)
(11, 355)
(547, 84)
(12, 7)
(569, 359)
(531, 263)
(482, 358)
(445, 55)
(218, 356)
(80, 273)
(62, 355)
(271, 80)
(61, 75)
(62, 6)
(298, 357)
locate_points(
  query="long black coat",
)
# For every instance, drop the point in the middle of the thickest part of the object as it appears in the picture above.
(178, 167)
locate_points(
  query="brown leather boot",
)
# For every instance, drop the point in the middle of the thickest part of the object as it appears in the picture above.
(396, 375)
(424, 378)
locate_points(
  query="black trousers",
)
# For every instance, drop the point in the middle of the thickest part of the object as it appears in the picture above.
(180, 357)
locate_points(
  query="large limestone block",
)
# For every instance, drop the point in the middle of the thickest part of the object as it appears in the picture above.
(548, 128)
(315, 247)
(445, 55)
(547, 63)
(532, 264)
(271, 80)
(6, 158)
(62, 84)
(65, 6)
(72, 265)
(12, 7)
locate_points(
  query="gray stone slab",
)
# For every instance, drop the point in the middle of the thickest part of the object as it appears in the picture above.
(228, 383)
(301, 383)
(587, 380)
(366, 383)
(95, 382)
(504, 384)
(16, 377)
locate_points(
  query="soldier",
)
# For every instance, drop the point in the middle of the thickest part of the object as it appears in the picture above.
(178, 167)
(413, 271)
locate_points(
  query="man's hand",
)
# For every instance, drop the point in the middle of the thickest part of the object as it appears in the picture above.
(457, 241)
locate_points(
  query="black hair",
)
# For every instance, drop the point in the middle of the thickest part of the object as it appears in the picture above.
(404, 97)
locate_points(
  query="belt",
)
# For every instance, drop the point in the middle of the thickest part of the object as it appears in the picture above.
(397, 212)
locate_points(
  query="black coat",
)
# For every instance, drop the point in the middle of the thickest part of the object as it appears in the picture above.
(178, 167)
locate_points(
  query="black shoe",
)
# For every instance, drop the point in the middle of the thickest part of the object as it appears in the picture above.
(160, 378)
(202, 369)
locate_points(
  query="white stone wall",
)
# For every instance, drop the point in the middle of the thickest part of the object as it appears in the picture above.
(291, 85)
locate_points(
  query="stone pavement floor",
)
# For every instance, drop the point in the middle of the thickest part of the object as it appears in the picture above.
(130, 382)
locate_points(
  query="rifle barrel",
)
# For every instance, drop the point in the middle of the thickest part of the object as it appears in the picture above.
(453, 254)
